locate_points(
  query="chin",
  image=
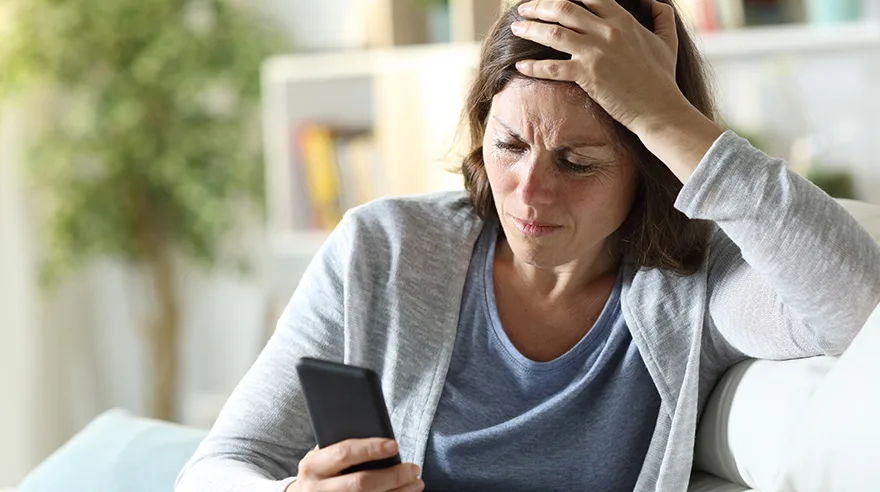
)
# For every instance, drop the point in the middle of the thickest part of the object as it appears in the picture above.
(532, 253)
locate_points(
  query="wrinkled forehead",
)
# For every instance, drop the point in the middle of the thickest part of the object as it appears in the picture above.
(550, 105)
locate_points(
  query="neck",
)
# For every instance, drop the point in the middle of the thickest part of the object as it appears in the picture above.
(565, 282)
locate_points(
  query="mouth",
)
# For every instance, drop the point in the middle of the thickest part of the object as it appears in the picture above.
(535, 228)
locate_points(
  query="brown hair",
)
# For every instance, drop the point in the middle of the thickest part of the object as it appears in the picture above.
(655, 234)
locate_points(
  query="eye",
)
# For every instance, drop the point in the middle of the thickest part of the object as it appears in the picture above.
(571, 167)
(509, 146)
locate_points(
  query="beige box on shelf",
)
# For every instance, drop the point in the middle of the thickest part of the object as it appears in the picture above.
(404, 22)
(395, 23)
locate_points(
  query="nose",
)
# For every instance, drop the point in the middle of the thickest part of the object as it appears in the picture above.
(536, 182)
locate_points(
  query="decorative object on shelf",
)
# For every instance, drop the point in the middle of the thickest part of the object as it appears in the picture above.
(711, 15)
(439, 25)
(824, 12)
(395, 23)
(731, 14)
(703, 15)
(766, 12)
(149, 150)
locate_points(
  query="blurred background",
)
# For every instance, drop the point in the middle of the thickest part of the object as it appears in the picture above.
(169, 167)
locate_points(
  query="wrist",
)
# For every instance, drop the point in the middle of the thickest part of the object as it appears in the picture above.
(680, 137)
(675, 113)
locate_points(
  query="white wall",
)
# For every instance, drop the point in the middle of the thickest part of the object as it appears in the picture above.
(830, 98)
(17, 341)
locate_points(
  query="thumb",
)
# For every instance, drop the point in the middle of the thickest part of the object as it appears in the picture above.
(664, 23)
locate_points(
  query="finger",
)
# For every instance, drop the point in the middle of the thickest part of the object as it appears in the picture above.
(564, 12)
(561, 70)
(551, 35)
(332, 460)
(416, 486)
(311, 452)
(392, 478)
(664, 23)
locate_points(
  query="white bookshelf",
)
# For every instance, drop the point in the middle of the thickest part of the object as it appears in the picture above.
(790, 39)
(411, 97)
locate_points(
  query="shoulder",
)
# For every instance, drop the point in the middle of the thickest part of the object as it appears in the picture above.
(437, 208)
(443, 216)
(420, 231)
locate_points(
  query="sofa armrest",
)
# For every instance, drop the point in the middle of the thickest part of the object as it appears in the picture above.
(117, 452)
(751, 416)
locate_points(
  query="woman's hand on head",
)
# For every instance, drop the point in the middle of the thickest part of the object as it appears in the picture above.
(319, 470)
(625, 68)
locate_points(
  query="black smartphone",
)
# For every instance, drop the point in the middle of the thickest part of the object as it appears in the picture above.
(345, 402)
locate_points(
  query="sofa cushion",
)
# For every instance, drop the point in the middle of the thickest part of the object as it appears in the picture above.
(752, 415)
(117, 452)
(835, 446)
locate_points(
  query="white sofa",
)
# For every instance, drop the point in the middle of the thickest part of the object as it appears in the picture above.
(810, 425)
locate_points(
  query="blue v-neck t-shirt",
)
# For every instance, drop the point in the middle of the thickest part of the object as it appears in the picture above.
(581, 422)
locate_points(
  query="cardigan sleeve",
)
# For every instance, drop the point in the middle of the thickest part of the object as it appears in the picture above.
(791, 273)
(263, 429)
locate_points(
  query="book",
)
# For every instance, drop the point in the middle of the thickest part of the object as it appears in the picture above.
(318, 160)
(301, 213)
(700, 14)
(337, 168)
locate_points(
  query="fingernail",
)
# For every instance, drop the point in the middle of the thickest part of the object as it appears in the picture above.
(516, 27)
(520, 65)
(390, 446)
(525, 8)
(414, 471)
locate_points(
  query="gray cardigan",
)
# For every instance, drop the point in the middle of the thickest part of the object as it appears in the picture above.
(789, 274)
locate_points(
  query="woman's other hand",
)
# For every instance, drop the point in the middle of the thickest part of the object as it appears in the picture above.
(625, 68)
(320, 469)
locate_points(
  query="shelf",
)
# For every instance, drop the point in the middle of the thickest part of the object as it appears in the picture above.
(362, 63)
(411, 97)
(789, 39)
(753, 41)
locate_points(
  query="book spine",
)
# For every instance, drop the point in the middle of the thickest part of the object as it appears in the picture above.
(300, 202)
(321, 171)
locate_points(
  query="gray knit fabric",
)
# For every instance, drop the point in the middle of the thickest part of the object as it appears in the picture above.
(790, 274)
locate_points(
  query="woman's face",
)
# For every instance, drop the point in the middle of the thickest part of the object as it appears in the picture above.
(560, 185)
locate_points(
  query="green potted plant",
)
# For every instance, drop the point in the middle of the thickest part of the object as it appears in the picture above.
(149, 148)
(837, 183)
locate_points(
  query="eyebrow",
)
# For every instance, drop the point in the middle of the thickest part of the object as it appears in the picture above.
(573, 145)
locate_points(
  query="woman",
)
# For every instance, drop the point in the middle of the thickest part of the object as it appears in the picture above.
(561, 325)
